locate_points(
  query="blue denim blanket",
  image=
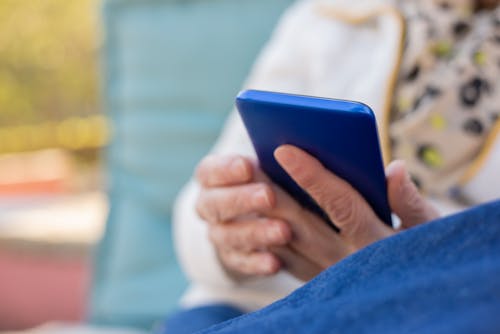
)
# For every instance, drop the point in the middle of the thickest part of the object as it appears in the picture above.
(441, 277)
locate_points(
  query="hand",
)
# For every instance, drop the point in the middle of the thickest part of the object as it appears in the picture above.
(233, 195)
(249, 222)
(359, 225)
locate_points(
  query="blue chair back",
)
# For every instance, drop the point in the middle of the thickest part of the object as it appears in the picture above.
(171, 72)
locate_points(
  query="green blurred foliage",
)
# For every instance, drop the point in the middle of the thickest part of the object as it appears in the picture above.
(48, 60)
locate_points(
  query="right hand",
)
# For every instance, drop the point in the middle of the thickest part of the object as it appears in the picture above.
(233, 193)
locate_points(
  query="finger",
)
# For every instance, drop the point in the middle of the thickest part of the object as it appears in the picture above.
(312, 237)
(250, 235)
(296, 264)
(358, 223)
(250, 264)
(216, 205)
(218, 170)
(404, 197)
(317, 241)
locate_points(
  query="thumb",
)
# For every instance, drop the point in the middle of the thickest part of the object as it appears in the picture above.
(405, 199)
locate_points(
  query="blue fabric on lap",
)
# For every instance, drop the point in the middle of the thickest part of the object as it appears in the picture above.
(192, 320)
(441, 277)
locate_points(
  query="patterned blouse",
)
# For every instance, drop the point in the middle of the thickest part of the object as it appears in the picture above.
(447, 100)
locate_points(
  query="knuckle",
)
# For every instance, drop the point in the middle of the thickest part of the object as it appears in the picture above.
(213, 236)
(219, 236)
(226, 239)
(414, 202)
(342, 209)
(412, 197)
(307, 179)
(317, 189)
(232, 205)
(208, 209)
(239, 238)
(200, 207)
(239, 197)
(203, 168)
(246, 237)
(256, 235)
(251, 234)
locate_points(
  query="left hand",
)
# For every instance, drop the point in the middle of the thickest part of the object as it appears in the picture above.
(359, 225)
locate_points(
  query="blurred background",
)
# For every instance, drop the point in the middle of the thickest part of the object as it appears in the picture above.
(106, 106)
(52, 131)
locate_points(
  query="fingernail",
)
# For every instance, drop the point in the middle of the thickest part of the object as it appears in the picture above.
(261, 198)
(396, 166)
(274, 233)
(407, 177)
(238, 168)
(285, 156)
(391, 168)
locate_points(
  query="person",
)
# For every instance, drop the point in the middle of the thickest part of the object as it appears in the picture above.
(429, 70)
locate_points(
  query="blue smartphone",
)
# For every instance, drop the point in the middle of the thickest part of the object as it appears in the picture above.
(342, 135)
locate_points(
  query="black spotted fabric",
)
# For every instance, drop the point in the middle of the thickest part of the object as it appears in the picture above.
(447, 99)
